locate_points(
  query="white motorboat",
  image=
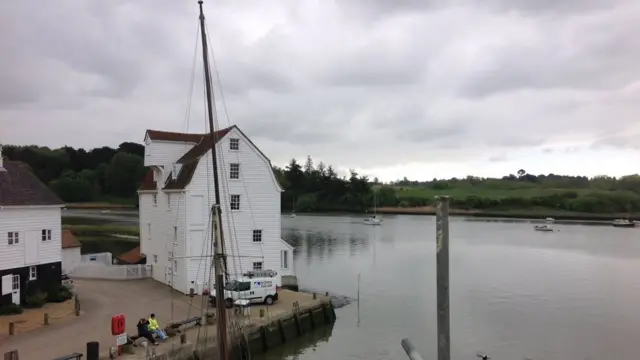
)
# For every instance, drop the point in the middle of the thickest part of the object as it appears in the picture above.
(624, 223)
(549, 219)
(543, 228)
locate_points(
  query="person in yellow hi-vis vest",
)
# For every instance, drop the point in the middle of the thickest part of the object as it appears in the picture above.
(155, 329)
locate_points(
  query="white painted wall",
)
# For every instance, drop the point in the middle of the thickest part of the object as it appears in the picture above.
(163, 153)
(259, 208)
(71, 257)
(158, 225)
(29, 223)
(286, 250)
(189, 213)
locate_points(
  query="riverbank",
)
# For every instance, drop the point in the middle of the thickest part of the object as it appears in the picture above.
(99, 205)
(538, 213)
(510, 214)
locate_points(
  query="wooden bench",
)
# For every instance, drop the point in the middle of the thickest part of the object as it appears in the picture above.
(74, 356)
(197, 320)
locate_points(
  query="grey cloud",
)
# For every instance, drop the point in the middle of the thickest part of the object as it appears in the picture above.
(631, 141)
(575, 52)
(358, 84)
(499, 158)
(377, 9)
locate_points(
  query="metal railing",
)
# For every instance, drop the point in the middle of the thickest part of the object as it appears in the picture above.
(111, 272)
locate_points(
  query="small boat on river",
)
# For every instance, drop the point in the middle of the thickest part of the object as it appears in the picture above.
(545, 228)
(623, 223)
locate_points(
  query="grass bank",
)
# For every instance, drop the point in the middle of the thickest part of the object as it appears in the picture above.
(100, 244)
(99, 231)
(99, 205)
(100, 238)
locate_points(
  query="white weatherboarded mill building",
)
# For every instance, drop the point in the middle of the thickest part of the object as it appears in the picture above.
(175, 206)
(30, 231)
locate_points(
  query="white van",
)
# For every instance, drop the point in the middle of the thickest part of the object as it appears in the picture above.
(257, 290)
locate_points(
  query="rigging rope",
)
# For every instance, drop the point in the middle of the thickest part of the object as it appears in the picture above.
(185, 127)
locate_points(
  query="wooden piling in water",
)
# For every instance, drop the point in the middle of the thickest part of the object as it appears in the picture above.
(442, 274)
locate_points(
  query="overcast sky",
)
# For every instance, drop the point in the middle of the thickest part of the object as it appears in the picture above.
(423, 89)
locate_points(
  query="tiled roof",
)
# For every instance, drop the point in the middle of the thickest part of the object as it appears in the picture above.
(148, 183)
(174, 136)
(69, 240)
(20, 186)
(184, 177)
(203, 146)
(132, 256)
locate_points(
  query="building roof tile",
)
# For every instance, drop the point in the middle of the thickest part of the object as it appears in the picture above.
(19, 186)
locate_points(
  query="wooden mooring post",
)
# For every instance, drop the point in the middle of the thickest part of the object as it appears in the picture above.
(442, 274)
(442, 283)
(11, 355)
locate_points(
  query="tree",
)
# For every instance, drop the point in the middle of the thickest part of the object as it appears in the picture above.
(72, 190)
(124, 174)
(308, 166)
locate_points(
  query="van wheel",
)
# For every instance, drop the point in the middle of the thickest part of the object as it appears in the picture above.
(268, 300)
(228, 302)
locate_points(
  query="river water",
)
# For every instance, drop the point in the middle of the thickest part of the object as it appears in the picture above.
(515, 293)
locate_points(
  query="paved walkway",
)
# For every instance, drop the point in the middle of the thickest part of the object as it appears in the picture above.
(99, 301)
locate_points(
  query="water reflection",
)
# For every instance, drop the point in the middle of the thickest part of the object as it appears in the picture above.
(305, 346)
(344, 237)
(515, 292)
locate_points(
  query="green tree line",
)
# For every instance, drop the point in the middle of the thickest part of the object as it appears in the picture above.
(78, 175)
(114, 174)
(311, 188)
(600, 194)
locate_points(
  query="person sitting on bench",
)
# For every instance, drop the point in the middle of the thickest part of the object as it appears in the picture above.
(143, 331)
(155, 329)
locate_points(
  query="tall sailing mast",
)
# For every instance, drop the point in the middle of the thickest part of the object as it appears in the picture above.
(217, 239)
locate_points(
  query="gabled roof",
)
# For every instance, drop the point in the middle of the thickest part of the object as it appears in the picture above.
(190, 159)
(184, 177)
(132, 256)
(173, 136)
(20, 187)
(69, 240)
(148, 183)
(196, 152)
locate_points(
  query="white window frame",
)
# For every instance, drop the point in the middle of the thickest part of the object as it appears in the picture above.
(45, 234)
(15, 283)
(234, 174)
(33, 273)
(168, 201)
(231, 202)
(13, 238)
(155, 200)
(258, 266)
(234, 144)
(256, 237)
(284, 259)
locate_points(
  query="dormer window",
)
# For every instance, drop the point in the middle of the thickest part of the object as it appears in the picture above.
(174, 170)
(234, 144)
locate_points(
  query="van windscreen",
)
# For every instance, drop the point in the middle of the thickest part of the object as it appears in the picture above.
(235, 285)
